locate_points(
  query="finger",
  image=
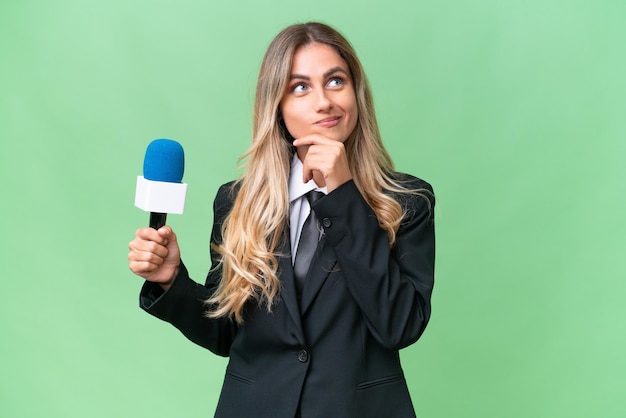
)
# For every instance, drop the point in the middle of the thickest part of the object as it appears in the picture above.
(167, 234)
(141, 245)
(150, 234)
(313, 140)
(307, 175)
(154, 256)
(322, 158)
(142, 268)
(330, 161)
(312, 163)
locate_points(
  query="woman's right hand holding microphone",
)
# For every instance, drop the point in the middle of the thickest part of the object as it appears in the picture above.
(155, 255)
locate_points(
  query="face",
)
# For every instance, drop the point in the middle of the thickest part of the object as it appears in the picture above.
(320, 97)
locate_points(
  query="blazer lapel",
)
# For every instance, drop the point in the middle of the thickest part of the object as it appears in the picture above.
(288, 291)
(322, 264)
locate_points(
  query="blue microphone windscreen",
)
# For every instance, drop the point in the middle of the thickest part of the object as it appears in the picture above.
(164, 161)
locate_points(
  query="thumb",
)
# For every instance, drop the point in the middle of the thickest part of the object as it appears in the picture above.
(171, 243)
(167, 233)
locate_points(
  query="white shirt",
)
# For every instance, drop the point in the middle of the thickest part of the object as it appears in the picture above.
(299, 207)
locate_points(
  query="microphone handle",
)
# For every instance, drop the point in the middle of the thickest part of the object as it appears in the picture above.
(157, 219)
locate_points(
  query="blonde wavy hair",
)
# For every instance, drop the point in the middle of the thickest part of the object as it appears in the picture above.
(253, 231)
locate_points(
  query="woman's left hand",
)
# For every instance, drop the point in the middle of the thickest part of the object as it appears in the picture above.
(326, 157)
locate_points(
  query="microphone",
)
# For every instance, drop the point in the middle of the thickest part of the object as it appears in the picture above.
(160, 190)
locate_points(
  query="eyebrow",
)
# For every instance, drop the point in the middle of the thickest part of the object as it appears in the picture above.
(325, 75)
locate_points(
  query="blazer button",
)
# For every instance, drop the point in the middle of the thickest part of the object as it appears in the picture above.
(326, 222)
(303, 356)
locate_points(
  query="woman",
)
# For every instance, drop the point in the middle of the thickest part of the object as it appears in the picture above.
(324, 344)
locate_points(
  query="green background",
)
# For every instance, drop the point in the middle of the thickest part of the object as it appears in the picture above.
(513, 110)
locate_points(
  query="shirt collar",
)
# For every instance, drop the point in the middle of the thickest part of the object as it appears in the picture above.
(297, 188)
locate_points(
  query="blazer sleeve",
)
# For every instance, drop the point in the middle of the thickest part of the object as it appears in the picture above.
(391, 286)
(183, 304)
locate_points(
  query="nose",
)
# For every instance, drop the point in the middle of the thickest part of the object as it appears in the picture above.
(322, 102)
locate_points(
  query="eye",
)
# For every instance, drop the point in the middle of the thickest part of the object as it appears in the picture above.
(335, 82)
(299, 88)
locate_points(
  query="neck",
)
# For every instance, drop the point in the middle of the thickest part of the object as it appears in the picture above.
(319, 179)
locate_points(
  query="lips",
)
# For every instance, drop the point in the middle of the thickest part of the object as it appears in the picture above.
(328, 122)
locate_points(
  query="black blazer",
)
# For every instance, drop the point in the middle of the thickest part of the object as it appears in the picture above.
(336, 354)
